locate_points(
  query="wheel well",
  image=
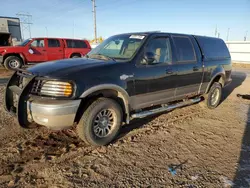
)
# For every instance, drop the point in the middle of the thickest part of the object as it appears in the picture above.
(107, 93)
(13, 54)
(219, 79)
(75, 54)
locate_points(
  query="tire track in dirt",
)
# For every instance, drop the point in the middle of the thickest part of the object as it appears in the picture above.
(56, 145)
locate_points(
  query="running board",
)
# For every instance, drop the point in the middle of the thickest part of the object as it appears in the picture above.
(165, 108)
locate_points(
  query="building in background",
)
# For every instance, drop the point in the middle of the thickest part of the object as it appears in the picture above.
(10, 31)
(239, 50)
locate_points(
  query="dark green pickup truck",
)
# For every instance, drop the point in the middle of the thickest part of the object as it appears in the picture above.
(128, 76)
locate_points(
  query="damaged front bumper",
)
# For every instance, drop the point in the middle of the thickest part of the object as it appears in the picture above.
(54, 114)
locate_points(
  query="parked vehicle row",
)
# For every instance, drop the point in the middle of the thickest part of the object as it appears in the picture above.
(127, 76)
(37, 50)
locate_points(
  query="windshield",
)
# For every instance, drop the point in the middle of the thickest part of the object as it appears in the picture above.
(24, 42)
(119, 47)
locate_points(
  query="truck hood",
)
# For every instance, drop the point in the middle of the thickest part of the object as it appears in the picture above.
(66, 67)
(15, 49)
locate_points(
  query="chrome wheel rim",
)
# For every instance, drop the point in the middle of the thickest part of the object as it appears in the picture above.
(215, 96)
(13, 63)
(104, 123)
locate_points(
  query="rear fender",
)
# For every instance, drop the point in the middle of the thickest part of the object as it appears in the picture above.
(218, 74)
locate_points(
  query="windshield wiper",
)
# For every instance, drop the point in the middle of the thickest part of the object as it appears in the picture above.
(103, 56)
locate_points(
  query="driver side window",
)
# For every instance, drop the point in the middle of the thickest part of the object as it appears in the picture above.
(161, 49)
(38, 43)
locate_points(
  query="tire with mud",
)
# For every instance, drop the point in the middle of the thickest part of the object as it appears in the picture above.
(101, 122)
(12, 62)
(213, 98)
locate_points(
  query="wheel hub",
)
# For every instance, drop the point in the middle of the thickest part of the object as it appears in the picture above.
(13, 63)
(215, 96)
(103, 123)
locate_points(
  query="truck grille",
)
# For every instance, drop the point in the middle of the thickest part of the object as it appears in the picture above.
(36, 88)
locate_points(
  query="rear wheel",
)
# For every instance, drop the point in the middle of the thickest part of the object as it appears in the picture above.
(76, 56)
(213, 98)
(12, 62)
(101, 122)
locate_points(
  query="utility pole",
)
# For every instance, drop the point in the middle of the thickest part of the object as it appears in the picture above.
(218, 35)
(215, 33)
(26, 21)
(46, 31)
(228, 30)
(94, 16)
(73, 29)
(245, 38)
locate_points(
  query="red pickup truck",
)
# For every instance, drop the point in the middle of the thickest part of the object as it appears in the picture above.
(38, 50)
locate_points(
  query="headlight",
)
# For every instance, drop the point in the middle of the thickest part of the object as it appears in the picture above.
(57, 89)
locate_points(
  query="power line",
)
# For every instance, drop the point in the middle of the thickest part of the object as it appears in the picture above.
(26, 21)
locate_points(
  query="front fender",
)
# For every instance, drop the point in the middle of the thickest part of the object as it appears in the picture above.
(121, 93)
(16, 54)
(23, 58)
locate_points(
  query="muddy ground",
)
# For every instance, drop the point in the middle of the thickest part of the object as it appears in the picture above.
(188, 147)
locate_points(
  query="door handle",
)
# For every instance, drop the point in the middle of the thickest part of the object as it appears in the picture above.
(195, 68)
(44, 50)
(60, 50)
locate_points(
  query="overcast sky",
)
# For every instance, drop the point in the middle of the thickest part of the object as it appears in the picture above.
(73, 18)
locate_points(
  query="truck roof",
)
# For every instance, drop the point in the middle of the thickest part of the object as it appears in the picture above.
(56, 38)
(155, 32)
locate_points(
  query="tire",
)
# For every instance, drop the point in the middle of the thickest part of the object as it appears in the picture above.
(76, 56)
(12, 62)
(213, 98)
(96, 120)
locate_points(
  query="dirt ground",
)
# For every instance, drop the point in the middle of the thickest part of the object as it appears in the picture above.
(4, 73)
(188, 147)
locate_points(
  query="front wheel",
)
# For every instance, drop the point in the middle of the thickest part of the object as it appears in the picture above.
(213, 98)
(101, 122)
(12, 62)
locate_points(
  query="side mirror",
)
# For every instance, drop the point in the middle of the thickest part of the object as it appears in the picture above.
(149, 57)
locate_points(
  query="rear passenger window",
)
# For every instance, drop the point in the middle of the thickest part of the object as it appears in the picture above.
(76, 44)
(53, 43)
(184, 48)
(213, 48)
